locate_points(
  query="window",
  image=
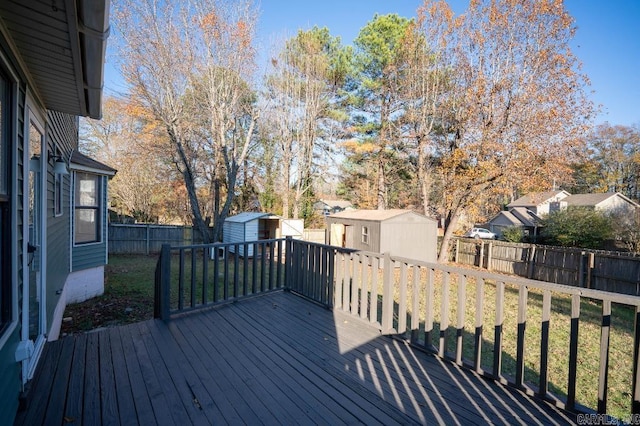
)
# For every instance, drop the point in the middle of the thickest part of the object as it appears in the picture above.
(365, 235)
(87, 208)
(6, 294)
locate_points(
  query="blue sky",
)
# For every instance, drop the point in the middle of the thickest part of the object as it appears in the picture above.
(607, 40)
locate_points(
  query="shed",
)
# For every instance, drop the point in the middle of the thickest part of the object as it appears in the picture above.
(400, 232)
(251, 226)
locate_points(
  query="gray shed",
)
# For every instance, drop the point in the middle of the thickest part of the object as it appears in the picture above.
(251, 226)
(400, 232)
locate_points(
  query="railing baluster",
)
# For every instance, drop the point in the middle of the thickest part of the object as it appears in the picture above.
(263, 268)
(355, 284)
(205, 274)
(364, 288)
(544, 343)
(415, 306)
(181, 280)
(462, 290)
(271, 267)
(375, 270)
(573, 351)
(604, 356)
(402, 302)
(194, 289)
(635, 387)
(225, 275)
(522, 326)
(331, 276)
(279, 264)
(479, 325)
(245, 274)
(347, 283)
(254, 267)
(317, 263)
(497, 343)
(165, 282)
(339, 262)
(236, 271)
(428, 323)
(216, 272)
(387, 295)
(444, 315)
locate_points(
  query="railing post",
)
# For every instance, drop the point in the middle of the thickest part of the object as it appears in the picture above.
(165, 282)
(387, 295)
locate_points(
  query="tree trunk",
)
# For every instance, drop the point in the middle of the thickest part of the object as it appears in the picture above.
(382, 188)
(198, 221)
(443, 257)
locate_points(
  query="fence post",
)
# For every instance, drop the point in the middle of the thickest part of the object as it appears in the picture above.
(481, 261)
(387, 295)
(165, 282)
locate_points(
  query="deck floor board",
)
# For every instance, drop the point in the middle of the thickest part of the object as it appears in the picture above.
(271, 359)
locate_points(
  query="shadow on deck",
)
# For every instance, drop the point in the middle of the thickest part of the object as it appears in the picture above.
(271, 359)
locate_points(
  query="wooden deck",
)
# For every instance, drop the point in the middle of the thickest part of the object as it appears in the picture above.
(271, 359)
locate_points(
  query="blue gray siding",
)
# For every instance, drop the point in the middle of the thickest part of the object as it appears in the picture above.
(62, 132)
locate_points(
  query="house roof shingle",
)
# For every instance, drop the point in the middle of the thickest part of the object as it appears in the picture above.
(536, 198)
(85, 162)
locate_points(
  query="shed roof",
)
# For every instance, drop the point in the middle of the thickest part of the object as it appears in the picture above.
(373, 215)
(245, 217)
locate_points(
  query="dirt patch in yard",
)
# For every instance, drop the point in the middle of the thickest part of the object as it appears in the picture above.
(127, 298)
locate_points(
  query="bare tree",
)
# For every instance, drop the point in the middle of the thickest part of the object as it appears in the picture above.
(190, 66)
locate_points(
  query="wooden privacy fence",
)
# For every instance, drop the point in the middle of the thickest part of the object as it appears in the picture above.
(607, 271)
(545, 339)
(146, 238)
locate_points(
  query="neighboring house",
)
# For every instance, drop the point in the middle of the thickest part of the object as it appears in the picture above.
(540, 203)
(250, 226)
(526, 212)
(609, 202)
(400, 232)
(51, 72)
(327, 207)
(518, 217)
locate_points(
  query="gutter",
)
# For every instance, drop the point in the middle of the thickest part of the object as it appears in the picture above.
(93, 31)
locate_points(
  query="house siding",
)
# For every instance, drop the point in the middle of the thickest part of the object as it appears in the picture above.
(60, 134)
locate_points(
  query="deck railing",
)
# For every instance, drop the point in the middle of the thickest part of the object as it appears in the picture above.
(575, 347)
